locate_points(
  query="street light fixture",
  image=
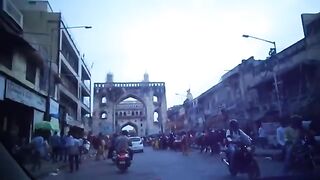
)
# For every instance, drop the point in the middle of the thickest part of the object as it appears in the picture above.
(48, 116)
(272, 52)
(77, 27)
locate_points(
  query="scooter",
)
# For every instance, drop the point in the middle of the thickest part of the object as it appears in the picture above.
(123, 161)
(244, 161)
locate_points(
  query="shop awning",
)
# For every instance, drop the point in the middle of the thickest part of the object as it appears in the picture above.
(45, 125)
(53, 125)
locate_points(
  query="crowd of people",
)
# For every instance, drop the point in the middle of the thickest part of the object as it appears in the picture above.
(291, 136)
(45, 147)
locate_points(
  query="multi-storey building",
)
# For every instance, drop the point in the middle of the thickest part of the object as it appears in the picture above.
(67, 71)
(268, 90)
(22, 92)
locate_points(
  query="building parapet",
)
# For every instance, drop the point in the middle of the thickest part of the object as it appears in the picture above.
(131, 84)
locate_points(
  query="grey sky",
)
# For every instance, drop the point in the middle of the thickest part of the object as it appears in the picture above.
(185, 43)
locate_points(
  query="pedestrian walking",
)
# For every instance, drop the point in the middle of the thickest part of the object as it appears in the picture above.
(63, 149)
(73, 152)
(55, 144)
(281, 139)
(101, 148)
(263, 139)
(38, 151)
(184, 144)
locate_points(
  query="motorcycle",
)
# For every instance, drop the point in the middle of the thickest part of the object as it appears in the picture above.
(302, 157)
(123, 161)
(243, 162)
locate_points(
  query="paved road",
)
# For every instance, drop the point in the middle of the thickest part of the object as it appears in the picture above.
(164, 165)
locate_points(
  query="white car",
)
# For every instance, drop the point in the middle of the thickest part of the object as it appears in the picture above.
(137, 144)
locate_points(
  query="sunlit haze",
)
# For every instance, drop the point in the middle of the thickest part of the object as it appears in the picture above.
(185, 43)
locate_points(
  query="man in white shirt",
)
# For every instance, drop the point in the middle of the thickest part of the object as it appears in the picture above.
(235, 135)
(263, 139)
(281, 135)
(281, 141)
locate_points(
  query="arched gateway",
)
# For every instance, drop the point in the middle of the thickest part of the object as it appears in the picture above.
(117, 104)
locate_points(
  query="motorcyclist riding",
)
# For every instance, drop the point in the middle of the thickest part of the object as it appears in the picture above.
(122, 143)
(234, 136)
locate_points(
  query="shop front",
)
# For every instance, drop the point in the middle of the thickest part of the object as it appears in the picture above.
(20, 108)
(76, 128)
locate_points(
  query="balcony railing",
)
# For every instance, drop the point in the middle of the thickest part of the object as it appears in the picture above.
(71, 60)
(69, 86)
(133, 84)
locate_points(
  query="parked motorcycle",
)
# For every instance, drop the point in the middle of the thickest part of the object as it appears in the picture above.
(123, 161)
(243, 162)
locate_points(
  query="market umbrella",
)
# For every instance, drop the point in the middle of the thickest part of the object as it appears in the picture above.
(45, 125)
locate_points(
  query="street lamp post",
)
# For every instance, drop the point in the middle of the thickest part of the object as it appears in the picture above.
(47, 115)
(272, 52)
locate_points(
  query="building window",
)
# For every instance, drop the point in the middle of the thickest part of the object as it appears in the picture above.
(6, 57)
(140, 113)
(43, 79)
(141, 124)
(137, 113)
(120, 113)
(116, 113)
(31, 72)
(125, 114)
(104, 115)
(104, 100)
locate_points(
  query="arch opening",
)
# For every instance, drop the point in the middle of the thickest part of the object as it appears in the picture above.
(155, 117)
(131, 128)
(128, 110)
(103, 115)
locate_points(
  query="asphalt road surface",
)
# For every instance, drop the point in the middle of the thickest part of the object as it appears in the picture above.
(165, 165)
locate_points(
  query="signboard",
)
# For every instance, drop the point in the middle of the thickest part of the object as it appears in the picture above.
(22, 95)
(70, 121)
(54, 108)
(37, 117)
(2, 83)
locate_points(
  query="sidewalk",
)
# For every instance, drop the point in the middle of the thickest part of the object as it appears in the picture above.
(47, 167)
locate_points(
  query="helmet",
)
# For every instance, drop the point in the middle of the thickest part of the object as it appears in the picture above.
(233, 124)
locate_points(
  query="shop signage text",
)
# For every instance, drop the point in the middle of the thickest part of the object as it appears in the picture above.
(22, 95)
